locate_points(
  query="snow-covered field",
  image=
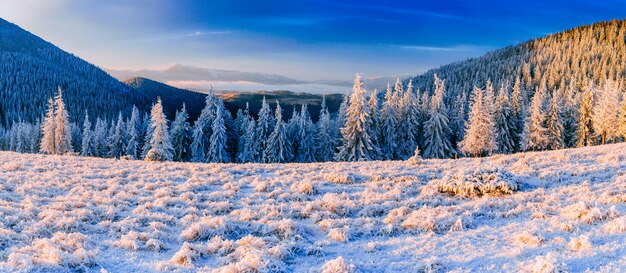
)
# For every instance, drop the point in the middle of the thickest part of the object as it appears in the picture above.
(63, 213)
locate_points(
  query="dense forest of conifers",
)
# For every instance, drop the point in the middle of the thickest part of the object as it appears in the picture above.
(563, 90)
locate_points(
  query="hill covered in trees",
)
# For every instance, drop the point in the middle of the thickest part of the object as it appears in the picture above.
(32, 69)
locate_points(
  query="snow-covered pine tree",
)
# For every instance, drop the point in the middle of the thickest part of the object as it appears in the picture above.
(278, 149)
(408, 124)
(436, 129)
(585, 118)
(374, 105)
(87, 147)
(554, 123)
(606, 112)
(62, 133)
(293, 129)
(100, 138)
(264, 127)
(132, 131)
(116, 140)
(389, 124)
(160, 145)
(202, 129)
(325, 142)
(306, 146)
(180, 135)
(479, 130)
(505, 123)
(570, 114)
(218, 149)
(535, 136)
(518, 104)
(423, 117)
(145, 135)
(248, 150)
(357, 143)
(48, 129)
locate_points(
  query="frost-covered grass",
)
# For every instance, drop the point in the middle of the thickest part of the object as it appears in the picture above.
(559, 211)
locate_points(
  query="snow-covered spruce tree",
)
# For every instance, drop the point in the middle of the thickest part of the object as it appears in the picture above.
(479, 130)
(278, 149)
(606, 112)
(325, 142)
(87, 147)
(518, 104)
(293, 129)
(160, 145)
(306, 147)
(100, 138)
(506, 132)
(535, 136)
(248, 149)
(340, 121)
(132, 131)
(180, 135)
(436, 130)
(374, 105)
(218, 149)
(62, 133)
(554, 123)
(357, 144)
(202, 129)
(389, 124)
(48, 142)
(585, 118)
(570, 114)
(408, 124)
(423, 117)
(265, 126)
(116, 140)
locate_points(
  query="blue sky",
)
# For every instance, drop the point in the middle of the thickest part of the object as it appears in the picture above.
(313, 42)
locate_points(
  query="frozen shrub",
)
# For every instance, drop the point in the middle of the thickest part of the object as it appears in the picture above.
(416, 159)
(339, 234)
(617, 225)
(472, 183)
(581, 243)
(185, 256)
(62, 250)
(339, 204)
(583, 212)
(340, 178)
(529, 239)
(304, 187)
(337, 265)
(545, 264)
(205, 228)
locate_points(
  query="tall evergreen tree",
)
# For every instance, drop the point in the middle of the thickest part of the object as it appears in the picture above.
(248, 150)
(48, 142)
(357, 143)
(264, 127)
(306, 146)
(389, 122)
(554, 123)
(278, 149)
(202, 129)
(535, 137)
(324, 139)
(218, 150)
(87, 147)
(585, 118)
(506, 133)
(436, 129)
(116, 140)
(408, 124)
(180, 135)
(479, 131)
(160, 145)
(100, 138)
(606, 112)
(62, 133)
(132, 128)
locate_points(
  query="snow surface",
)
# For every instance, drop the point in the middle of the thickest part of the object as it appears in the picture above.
(533, 212)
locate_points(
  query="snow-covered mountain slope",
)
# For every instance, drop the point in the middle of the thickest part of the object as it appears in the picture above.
(62, 213)
(32, 69)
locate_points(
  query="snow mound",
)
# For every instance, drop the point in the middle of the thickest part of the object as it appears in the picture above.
(474, 183)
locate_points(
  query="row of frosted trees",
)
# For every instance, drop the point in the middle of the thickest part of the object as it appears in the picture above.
(387, 125)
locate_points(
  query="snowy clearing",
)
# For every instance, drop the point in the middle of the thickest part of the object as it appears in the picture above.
(532, 212)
